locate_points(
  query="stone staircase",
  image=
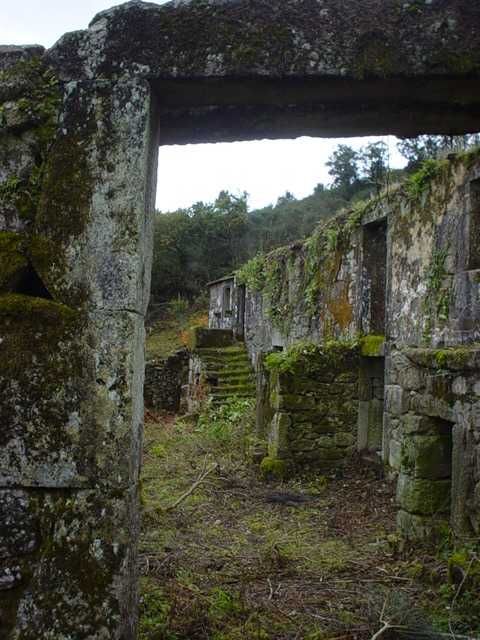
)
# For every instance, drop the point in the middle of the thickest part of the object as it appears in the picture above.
(228, 372)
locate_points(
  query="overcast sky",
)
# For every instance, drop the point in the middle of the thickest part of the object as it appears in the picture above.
(265, 169)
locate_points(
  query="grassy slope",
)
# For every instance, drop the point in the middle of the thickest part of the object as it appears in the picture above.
(170, 334)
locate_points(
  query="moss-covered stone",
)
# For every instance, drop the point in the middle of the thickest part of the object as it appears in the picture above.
(423, 497)
(372, 346)
(278, 444)
(274, 468)
(312, 360)
(427, 456)
(418, 527)
(66, 190)
(453, 358)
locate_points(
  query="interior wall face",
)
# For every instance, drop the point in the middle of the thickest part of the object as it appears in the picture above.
(71, 373)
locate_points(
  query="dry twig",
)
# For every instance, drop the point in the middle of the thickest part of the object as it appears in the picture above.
(201, 478)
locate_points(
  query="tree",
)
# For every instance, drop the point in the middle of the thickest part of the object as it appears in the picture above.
(417, 150)
(374, 163)
(287, 197)
(344, 169)
(198, 244)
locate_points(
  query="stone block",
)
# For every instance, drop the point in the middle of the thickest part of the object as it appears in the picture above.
(459, 386)
(476, 415)
(413, 424)
(395, 455)
(278, 446)
(86, 562)
(296, 402)
(428, 405)
(475, 511)
(396, 400)
(326, 442)
(390, 426)
(331, 454)
(423, 497)
(346, 377)
(302, 445)
(427, 456)
(76, 428)
(440, 386)
(325, 426)
(344, 439)
(410, 377)
(417, 527)
(345, 410)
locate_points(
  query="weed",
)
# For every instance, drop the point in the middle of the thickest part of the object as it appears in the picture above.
(419, 181)
(229, 423)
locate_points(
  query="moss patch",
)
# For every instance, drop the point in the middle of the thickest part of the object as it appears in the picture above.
(12, 262)
(308, 358)
(372, 346)
(273, 468)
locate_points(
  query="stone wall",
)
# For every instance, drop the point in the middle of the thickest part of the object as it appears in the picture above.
(423, 244)
(313, 395)
(432, 413)
(164, 379)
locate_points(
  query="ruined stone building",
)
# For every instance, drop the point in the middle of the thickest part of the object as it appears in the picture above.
(374, 323)
(80, 125)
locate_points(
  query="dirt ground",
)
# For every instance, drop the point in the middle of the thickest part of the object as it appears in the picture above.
(316, 558)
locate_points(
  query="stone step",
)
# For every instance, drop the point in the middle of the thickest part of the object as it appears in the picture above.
(236, 379)
(233, 389)
(235, 371)
(241, 355)
(221, 351)
(218, 400)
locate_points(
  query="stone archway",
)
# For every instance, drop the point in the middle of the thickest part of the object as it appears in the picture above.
(80, 126)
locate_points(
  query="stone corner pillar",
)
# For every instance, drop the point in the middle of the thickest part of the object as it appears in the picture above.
(75, 256)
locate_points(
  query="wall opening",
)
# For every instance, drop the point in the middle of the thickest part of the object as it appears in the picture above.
(371, 393)
(426, 460)
(375, 276)
(227, 301)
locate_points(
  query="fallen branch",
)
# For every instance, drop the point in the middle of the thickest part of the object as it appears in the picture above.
(194, 486)
(386, 627)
